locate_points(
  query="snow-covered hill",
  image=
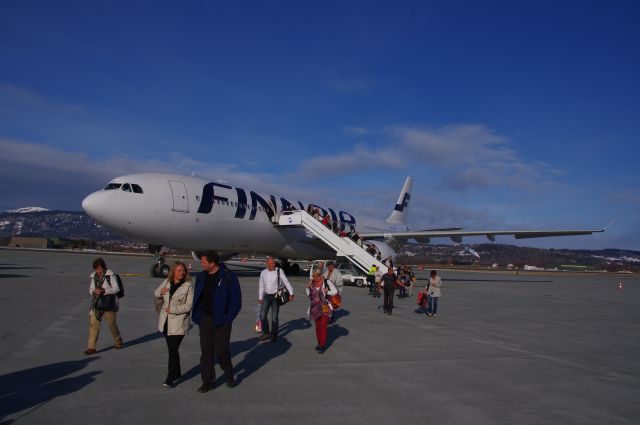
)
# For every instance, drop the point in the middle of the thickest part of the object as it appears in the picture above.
(27, 210)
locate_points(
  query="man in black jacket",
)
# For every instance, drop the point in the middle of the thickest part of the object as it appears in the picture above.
(217, 300)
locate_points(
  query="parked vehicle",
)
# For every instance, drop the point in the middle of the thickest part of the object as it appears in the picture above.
(350, 274)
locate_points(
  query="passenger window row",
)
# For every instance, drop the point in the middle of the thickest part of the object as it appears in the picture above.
(235, 204)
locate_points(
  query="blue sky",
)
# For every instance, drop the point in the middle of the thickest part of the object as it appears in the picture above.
(509, 114)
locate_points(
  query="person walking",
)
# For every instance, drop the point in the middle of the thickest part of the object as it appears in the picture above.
(332, 274)
(377, 276)
(176, 292)
(271, 280)
(371, 279)
(103, 287)
(412, 280)
(403, 282)
(434, 283)
(389, 280)
(217, 300)
(318, 289)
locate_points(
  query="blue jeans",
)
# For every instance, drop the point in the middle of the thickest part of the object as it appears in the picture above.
(269, 303)
(432, 306)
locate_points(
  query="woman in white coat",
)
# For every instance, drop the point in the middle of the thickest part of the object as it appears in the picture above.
(177, 294)
(433, 289)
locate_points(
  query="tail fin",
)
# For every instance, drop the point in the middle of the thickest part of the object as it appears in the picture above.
(399, 213)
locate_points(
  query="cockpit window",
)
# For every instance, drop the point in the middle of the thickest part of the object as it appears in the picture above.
(113, 186)
(126, 187)
(136, 188)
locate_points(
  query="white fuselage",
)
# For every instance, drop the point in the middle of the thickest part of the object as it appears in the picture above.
(193, 213)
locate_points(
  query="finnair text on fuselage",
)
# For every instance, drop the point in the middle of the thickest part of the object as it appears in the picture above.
(223, 194)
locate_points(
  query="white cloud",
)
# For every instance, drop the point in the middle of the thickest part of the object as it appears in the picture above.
(57, 178)
(465, 156)
(359, 160)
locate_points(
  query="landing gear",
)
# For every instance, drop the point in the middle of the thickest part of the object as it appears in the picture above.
(159, 268)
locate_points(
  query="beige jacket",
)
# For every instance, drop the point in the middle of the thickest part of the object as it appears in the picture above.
(179, 307)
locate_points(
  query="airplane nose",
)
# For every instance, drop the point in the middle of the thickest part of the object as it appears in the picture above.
(91, 205)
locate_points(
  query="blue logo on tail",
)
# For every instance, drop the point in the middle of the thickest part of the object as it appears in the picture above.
(405, 202)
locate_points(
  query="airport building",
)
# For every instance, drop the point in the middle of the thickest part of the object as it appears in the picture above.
(24, 242)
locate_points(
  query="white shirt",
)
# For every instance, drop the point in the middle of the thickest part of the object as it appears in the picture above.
(434, 288)
(268, 283)
(336, 278)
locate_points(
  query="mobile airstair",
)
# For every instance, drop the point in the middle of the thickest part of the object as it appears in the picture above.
(343, 246)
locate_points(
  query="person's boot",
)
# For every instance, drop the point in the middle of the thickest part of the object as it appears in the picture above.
(231, 381)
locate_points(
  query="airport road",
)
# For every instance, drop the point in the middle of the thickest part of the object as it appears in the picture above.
(504, 349)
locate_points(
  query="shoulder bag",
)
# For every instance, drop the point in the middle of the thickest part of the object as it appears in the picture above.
(282, 294)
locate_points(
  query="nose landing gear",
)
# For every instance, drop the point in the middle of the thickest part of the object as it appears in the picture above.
(159, 268)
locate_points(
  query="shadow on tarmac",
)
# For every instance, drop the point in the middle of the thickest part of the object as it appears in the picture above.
(259, 354)
(14, 267)
(140, 340)
(30, 388)
(333, 333)
(340, 313)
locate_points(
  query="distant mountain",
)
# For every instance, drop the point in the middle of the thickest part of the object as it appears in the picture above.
(40, 222)
(26, 210)
(492, 253)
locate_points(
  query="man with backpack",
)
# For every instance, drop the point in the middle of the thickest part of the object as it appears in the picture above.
(271, 280)
(106, 288)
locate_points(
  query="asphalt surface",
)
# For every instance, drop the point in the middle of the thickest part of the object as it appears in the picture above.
(505, 349)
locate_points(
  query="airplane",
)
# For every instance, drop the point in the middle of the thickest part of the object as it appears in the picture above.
(189, 212)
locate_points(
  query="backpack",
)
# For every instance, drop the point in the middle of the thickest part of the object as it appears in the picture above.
(120, 293)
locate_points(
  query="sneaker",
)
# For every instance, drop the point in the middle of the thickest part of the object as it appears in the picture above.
(205, 387)
(321, 350)
(89, 351)
(168, 384)
(317, 348)
(231, 382)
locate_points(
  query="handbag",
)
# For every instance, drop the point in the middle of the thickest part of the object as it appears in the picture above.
(282, 295)
(158, 303)
(107, 303)
(334, 300)
(422, 299)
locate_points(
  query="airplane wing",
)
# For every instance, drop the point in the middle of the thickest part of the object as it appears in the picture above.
(456, 235)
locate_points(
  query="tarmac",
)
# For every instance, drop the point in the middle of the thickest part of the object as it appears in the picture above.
(532, 348)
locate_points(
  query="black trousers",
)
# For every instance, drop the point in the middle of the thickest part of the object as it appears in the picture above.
(173, 344)
(214, 340)
(389, 290)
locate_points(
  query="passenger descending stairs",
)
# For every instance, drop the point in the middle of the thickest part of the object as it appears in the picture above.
(343, 246)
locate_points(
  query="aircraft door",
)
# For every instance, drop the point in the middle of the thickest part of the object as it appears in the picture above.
(180, 196)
